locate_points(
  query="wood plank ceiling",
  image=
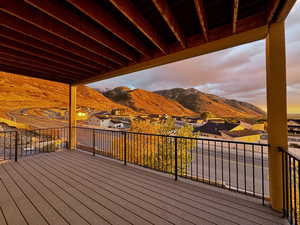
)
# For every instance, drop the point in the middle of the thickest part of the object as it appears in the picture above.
(72, 41)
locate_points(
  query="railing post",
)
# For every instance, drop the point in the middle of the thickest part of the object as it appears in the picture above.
(124, 148)
(94, 143)
(16, 146)
(176, 159)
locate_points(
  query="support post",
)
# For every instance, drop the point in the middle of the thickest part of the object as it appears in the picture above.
(277, 110)
(72, 117)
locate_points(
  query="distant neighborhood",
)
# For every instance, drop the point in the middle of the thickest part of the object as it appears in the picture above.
(206, 126)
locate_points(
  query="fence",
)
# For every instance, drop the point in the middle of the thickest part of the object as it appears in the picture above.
(237, 166)
(291, 184)
(233, 165)
(20, 143)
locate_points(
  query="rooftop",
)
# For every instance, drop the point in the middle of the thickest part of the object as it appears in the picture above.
(76, 188)
(215, 128)
(241, 133)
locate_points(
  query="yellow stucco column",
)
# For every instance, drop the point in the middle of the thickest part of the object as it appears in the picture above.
(277, 109)
(72, 117)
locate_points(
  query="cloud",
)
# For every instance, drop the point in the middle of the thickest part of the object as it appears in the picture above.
(238, 73)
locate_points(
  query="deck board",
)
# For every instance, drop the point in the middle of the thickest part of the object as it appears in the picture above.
(136, 202)
(28, 210)
(169, 193)
(38, 200)
(76, 188)
(10, 210)
(2, 218)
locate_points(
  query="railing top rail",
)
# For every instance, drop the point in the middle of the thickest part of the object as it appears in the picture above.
(47, 128)
(181, 137)
(291, 154)
(9, 131)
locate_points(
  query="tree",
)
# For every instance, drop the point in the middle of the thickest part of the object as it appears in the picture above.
(206, 115)
(152, 144)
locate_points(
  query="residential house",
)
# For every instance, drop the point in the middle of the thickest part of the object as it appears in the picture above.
(246, 135)
(118, 112)
(213, 129)
(259, 126)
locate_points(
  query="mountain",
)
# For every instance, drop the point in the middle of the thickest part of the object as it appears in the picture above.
(19, 92)
(147, 102)
(23, 92)
(199, 102)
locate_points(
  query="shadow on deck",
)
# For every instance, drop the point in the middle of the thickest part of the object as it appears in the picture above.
(77, 188)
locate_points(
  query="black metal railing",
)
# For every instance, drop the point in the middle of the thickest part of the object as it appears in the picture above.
(291, 186)
(20, 143)
(234, 165)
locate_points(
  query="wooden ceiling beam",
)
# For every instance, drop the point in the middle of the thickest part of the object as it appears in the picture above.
(284, 11)
(59, 11)
(21, 70)
(39, 66)
(94, 10)
(128, 9)
(271, 9)
(202, 18)
(235, 15)
(23, 11)
(32, 31)
(36, 52)
(20, 56)
(165, 11)
(13, 35)
(205, 48)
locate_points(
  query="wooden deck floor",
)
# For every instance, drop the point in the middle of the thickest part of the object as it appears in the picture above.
(77, 188)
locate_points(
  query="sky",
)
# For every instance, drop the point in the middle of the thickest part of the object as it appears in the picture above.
(236, 73)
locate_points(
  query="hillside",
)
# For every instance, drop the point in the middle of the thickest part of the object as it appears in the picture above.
(23, 92)
(199, 102)
(146, 102)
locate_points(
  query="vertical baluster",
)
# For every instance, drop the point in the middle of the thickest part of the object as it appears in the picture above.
(191, 141)
(4, 142)
(253, 171)
(290, 190)
(181, 146)
(237, 167)
(153, 151)
(202, 152)
(215, 163)
(141, 157)
(94, 142)
(10, 145)
(125, 148)
(208, 161)
(222, 162)
(229, 164)
(197, 161)
(283, 183)
(245, 169)
(160, 155)
(186, 159)
(298, 181)
(287, 184)
(176, 158)
(295, 193)
(262, 174)
(16, 146)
